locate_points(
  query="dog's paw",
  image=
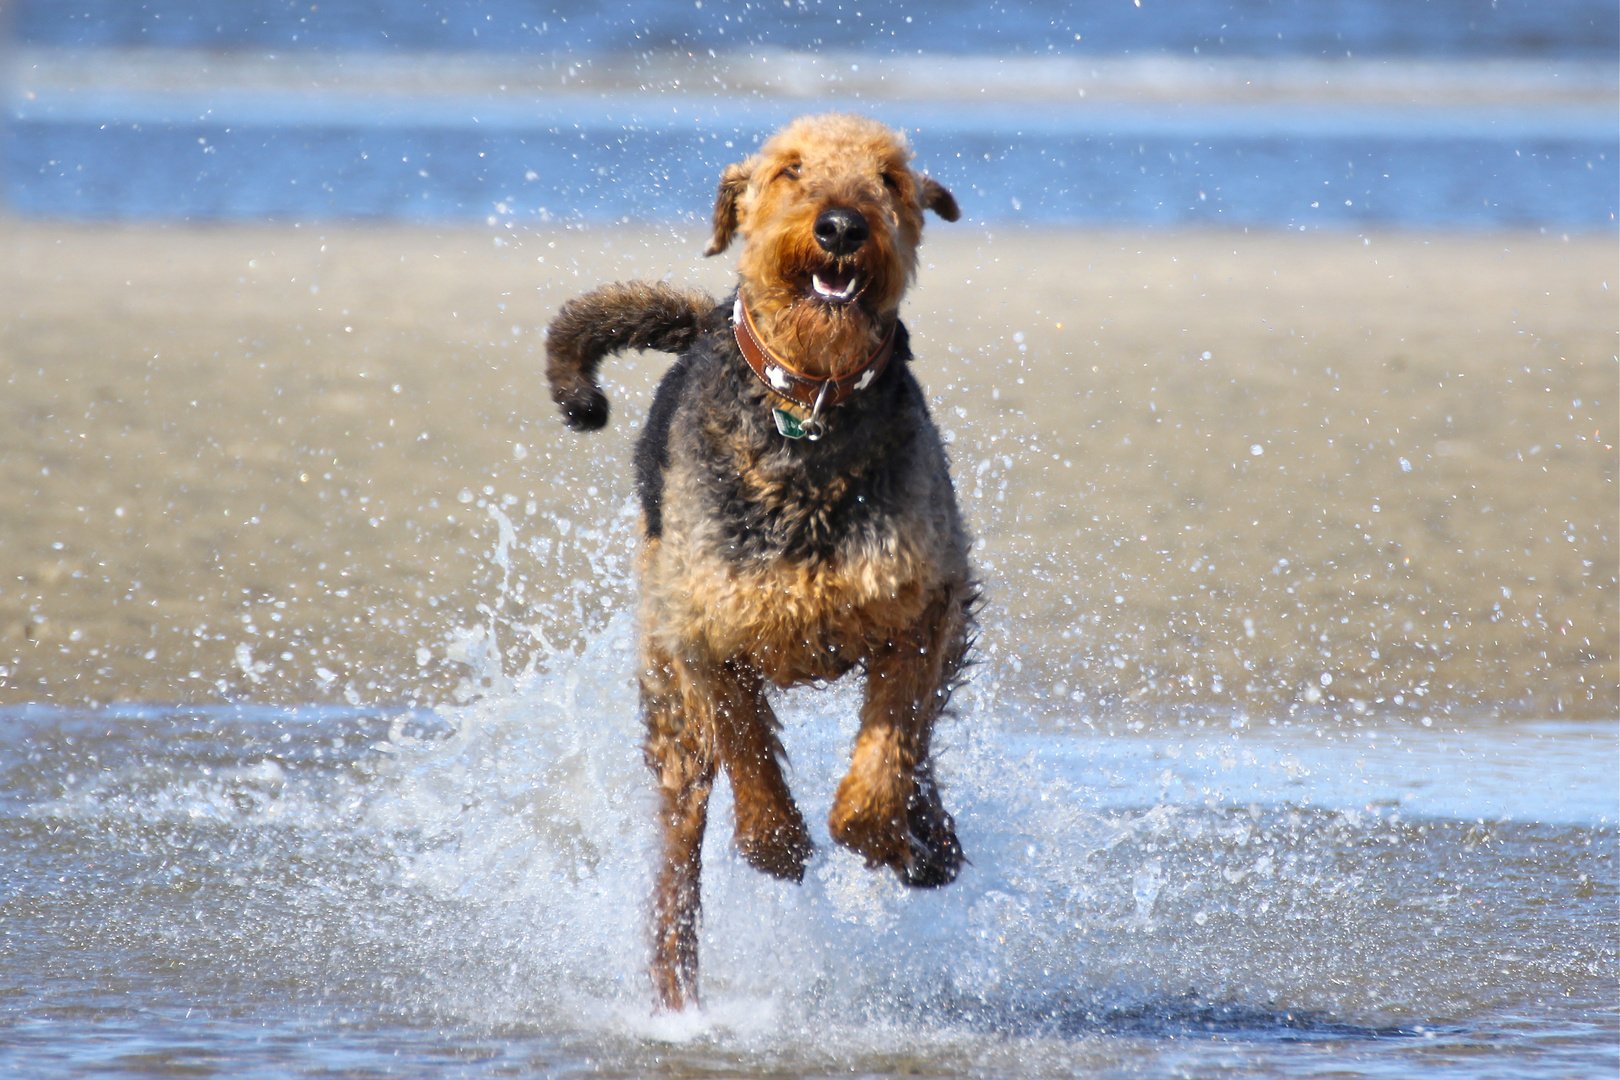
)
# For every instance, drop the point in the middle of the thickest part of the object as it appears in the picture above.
(773, 840)
(919, 843)
(584, 408)
(933, 855)
(780, 851)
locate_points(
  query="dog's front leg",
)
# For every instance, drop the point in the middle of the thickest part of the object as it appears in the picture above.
(888, 807)
(770, 830)
(680, 751)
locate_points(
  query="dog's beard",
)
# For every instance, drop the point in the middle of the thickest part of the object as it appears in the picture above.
(824, 339)
(815, 334)
(830, 330)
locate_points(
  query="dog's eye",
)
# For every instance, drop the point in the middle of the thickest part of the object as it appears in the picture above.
(789, 171)
(891, 181)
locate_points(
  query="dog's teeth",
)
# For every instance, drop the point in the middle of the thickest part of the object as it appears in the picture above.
(834, 294)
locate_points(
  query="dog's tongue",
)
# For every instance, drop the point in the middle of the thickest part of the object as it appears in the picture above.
(833, 285)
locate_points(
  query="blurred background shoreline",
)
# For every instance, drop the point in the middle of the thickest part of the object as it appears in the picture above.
(145, 133)
(225, 224)
(1443, 114)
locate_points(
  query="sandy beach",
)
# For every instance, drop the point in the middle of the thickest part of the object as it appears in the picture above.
(1310, 471)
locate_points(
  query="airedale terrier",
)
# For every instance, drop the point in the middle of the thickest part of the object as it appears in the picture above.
(799, 516)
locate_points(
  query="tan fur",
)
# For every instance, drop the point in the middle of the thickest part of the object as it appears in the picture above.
(773, 198)
(751, 572)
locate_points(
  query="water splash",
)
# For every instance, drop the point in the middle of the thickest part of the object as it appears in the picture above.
(484, 868)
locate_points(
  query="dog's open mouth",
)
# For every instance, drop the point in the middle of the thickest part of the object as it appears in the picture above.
(834, 286)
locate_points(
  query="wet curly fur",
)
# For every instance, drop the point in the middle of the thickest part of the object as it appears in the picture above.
(769, 560)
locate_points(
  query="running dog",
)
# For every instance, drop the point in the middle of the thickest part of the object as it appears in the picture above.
(798, 515)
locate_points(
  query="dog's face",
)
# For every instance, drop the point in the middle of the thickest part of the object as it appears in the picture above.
(831, 212)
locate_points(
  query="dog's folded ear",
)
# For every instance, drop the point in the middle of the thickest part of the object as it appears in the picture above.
(937, 197)
(733, 182)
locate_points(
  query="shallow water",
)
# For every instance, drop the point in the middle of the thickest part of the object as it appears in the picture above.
(1559, 28)
(195, 137)
(1246, 166)
(1191, 113)
(327, 891)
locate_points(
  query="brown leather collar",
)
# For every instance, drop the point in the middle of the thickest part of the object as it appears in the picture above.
(812, 393)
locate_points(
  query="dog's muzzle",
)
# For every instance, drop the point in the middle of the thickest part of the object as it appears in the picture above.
(841, 232)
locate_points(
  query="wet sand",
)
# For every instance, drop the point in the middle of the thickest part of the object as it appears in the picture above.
(1220, 470)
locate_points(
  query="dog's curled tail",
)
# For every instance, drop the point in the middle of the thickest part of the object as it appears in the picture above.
(624, 315)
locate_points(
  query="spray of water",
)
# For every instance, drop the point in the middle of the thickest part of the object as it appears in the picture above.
(486, 865)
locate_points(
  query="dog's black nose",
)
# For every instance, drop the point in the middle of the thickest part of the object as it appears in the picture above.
(841, 232)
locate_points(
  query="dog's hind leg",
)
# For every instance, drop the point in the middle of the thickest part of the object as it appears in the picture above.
(770, 830)
(888, 807)
(680, 751)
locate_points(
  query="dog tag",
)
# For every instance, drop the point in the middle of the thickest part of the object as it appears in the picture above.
(787, 424)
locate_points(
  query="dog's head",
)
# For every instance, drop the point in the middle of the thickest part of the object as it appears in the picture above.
(831, 213)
